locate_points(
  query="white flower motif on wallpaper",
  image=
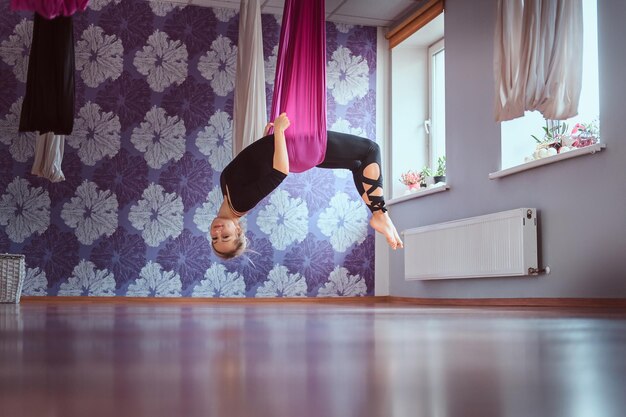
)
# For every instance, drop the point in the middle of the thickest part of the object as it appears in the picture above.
(87, 280)
(219, 65)
(92, 213)
(215, 141)
(342, 125)
(21, 145)
(218, 282)
(342, 284)
(160, 138)
(285, 220)
(164, 62)
(96, 134)
(98, 56)
(344, 27)
(155, 282)
(35, 282)
(158, 215)
(100, 4)
(341, 173)
(24, 210)
(224, 14)
(347, 76)
(16, 49)
(270, 66)
(344, 222)
(162, 8)
(281, 283)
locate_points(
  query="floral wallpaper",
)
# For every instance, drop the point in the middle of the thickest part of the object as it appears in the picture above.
(152, 132)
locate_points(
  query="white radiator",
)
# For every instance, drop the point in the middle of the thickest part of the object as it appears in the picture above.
(499, 244)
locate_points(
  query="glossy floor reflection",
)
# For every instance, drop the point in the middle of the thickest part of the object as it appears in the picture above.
(231, 360)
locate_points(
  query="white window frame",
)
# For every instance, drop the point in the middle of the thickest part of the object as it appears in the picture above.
(437, 133)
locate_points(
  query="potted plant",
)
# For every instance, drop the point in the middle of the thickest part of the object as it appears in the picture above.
(426, 175)
(440, 173)
(411, 179)
(554, 137)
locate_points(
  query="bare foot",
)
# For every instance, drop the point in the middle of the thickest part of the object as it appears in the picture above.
(381, 222)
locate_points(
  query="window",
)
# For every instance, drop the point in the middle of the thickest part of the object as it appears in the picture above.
(532, 137)
(418, 104)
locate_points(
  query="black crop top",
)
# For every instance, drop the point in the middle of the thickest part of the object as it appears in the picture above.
(250, 177)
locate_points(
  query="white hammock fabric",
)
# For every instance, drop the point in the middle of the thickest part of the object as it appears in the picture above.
(250, 112)
(49, 156)
(538, 56)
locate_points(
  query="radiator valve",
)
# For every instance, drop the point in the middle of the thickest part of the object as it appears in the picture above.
(537, 271)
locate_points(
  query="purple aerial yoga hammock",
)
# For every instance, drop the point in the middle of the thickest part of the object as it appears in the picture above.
(300, 84)
(51, 8)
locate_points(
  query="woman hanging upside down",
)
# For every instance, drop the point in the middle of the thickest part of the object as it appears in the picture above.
(263, 165)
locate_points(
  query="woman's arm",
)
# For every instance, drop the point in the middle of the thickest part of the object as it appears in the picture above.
(281, 158)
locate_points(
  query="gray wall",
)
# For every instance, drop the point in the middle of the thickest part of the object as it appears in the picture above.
(581, 201)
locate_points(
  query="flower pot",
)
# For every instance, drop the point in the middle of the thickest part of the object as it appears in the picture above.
(439, 178)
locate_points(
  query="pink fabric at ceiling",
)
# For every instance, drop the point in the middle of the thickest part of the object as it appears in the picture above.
(300, 84)
(51, 8)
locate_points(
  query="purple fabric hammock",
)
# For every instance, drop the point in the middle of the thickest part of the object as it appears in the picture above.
(300, 84)
(51, 8)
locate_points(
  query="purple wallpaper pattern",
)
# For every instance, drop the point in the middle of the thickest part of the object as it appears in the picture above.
(152, 133)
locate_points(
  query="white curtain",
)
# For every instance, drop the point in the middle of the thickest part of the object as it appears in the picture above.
(250, 113)
(49, 156)
(538, 58)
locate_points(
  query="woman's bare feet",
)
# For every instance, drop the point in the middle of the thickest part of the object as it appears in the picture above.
(381, 222)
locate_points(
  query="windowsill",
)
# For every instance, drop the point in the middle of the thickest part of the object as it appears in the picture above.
(422, 193)
(597, 147)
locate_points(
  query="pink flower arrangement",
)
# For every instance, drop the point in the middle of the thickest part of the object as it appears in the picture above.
(558, 138)
(584, 135)
(410, 178)
(578, 127)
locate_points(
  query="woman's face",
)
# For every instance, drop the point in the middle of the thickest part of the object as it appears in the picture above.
(224, 234)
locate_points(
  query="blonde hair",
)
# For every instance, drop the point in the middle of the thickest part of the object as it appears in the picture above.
(240, 247)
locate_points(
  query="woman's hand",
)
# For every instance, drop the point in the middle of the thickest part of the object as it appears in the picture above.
(282, 122)
(268, 126)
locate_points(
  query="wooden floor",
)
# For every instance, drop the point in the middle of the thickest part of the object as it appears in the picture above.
(300, 360)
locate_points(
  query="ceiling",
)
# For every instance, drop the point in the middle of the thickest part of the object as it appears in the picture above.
(384, 13)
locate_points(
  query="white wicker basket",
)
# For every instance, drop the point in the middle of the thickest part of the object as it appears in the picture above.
(12, 272)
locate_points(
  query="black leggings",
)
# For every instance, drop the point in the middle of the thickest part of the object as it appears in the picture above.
(355, 153)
